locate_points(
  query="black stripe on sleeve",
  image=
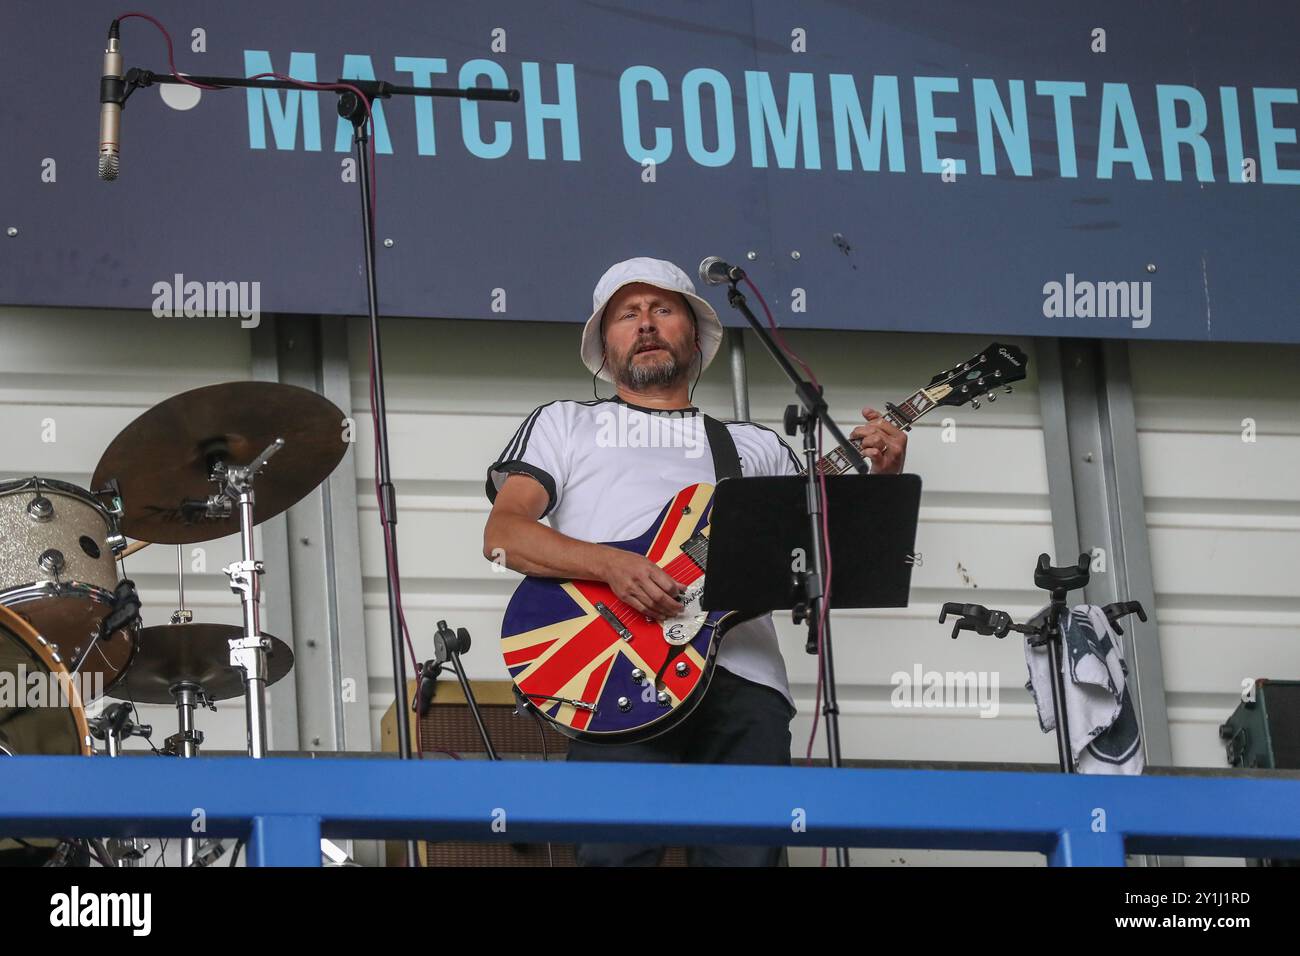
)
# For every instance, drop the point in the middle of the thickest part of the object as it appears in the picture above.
(523, 468)
(511, 461)
(794, 459)
(512, 450)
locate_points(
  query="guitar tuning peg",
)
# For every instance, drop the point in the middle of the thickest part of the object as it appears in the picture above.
(1007, 388)
(993, 396)
(975, 403)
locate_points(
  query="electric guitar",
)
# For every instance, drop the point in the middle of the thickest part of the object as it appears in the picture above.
(599, 671)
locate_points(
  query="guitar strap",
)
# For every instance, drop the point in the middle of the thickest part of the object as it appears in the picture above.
(726, 462)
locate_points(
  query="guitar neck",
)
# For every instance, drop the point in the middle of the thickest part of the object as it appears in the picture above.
(902, 415)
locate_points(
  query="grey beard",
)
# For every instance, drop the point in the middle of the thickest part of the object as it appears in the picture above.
(649, 376)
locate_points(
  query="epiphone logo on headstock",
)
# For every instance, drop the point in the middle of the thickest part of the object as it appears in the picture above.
(1008, 356)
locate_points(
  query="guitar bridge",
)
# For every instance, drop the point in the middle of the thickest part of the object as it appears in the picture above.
(613, 621)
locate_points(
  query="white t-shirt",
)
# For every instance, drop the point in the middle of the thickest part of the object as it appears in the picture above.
(609, 468)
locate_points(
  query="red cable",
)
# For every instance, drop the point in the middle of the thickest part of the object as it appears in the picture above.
(171, 56)
(305, 84)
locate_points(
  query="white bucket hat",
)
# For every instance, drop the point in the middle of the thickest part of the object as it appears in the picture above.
(662, 275)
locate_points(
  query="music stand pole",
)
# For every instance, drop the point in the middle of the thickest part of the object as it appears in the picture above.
(819, 623)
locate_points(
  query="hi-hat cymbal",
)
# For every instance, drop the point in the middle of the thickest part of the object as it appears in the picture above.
(172, 654)
(163, 459)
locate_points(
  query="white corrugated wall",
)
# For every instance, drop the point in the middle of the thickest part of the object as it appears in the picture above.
(1224, 515)
(1219, 439)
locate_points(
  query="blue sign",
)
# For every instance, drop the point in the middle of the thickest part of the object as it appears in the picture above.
(1105, 169)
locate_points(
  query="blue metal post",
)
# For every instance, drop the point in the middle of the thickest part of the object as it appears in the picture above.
(1077, 846)
(284, 841)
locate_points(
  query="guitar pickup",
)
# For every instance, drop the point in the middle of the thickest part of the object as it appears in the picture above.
(613, 621)
(696, 547)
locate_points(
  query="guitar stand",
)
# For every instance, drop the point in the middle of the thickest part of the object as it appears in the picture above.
(1058, 582)
(448, 646)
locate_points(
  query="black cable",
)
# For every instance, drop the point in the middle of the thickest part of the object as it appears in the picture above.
(149, 740)
(691, 396)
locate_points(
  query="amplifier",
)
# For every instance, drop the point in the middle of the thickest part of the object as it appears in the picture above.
(448, 731)
(1265, 732)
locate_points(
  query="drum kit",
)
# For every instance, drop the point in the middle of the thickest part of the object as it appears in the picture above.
(201, 465)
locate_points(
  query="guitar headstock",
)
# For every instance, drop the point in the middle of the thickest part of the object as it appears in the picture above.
(995, 367)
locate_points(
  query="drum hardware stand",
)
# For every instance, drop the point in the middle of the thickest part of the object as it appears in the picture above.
(185, 743)
(1044, 629)
(181, 615)
(248, 653)
(113, 726)
(116, 541)
(125, 852)
(210, 850)
(815, 412)
(448, 646)
(187, 740)
(70, 853)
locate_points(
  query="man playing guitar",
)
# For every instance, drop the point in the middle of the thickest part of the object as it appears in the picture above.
(600, 470)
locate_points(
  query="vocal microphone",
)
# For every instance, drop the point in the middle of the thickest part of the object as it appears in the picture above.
(714, 271)
(111, 89)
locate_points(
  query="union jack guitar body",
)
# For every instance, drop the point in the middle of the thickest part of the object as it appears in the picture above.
(593, 664)
(598, 670)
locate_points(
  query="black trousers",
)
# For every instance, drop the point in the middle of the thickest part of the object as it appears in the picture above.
(737, 722)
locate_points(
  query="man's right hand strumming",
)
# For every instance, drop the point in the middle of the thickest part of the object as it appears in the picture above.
(516, 537)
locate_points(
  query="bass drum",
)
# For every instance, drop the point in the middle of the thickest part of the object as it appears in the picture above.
(40, 713)
(57, 570)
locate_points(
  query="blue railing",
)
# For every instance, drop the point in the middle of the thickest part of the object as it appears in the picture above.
(285, 805)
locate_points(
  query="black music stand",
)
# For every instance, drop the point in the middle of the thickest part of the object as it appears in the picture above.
(758, 524)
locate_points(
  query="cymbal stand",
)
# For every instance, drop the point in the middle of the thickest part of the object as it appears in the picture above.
(248, 652)
(186, 742)
(181, 615)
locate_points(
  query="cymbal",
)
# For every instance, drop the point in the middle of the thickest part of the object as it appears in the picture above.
(163, 458)
(170, 654)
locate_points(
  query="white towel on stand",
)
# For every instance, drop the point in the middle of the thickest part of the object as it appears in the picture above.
(1104, 732)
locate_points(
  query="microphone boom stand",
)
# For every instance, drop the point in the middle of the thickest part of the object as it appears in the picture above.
(814, 411)
(351, 107)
